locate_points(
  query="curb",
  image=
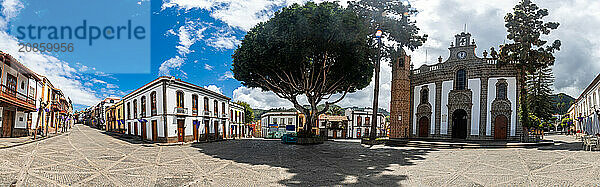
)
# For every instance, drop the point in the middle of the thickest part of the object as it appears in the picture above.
(36, 140)
(445, 145)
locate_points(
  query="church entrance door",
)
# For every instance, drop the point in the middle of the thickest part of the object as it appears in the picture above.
(423, 127)
(459, 124)
(500, 126)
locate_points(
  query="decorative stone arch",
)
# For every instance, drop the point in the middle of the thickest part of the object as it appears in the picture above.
(423, 109)
(501, 106)
(459, 99)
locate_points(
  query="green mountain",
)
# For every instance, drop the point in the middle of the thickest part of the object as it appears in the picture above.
(561, 103)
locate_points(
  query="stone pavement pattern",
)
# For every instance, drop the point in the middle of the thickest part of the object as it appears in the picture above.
(88, 157)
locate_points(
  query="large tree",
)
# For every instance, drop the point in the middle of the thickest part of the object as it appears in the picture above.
(248, 112)
(392, 17)
(312, 50)
(528, 51)
(539, 89)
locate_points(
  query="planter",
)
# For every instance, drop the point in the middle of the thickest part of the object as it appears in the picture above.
(310, 141)
(372, 142)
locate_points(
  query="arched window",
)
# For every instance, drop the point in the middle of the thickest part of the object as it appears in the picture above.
(461, 79)
(194, 104)
(153, 110)
(180, 99)
(134, 109)
(501, 90)
(143, 107)
(216, 104)
(424, 96)
(128, 110)
(223, 108)
(205, 104)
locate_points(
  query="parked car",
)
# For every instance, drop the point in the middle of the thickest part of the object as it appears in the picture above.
(291, 137)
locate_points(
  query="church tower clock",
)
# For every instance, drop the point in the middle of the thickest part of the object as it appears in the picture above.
(400, 101)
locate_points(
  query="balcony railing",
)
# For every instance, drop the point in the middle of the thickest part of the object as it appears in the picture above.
(180, 111)
(224, 115)
(18, 97)
(207, 113)
(194, 111)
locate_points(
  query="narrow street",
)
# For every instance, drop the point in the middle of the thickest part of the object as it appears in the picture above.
(87, 157)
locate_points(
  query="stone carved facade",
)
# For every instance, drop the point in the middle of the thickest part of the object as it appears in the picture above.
(463, 82)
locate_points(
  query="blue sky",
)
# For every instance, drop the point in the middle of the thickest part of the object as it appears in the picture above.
(194, 40)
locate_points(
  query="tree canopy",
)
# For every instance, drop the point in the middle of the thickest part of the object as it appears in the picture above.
(529, 52)
(315, 50)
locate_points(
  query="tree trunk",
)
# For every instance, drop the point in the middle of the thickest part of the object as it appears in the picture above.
(373, 131)
(523, 103)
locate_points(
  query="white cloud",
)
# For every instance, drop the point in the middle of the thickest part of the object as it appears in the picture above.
(208, 67)
(10, 9)
(188, 34)
(259, 99)
(214, 88)
(227, 75)
(168, 65)
(98, 81)
(240, 14)
(223, 42)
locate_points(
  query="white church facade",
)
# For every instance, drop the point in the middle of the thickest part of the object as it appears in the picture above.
(465, 96)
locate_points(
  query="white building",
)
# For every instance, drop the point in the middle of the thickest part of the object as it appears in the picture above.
(275, 123)
(586, 109)
(359, 123)
(237, 127)
(172, 110)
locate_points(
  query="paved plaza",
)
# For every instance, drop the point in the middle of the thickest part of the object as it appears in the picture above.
(88, 157)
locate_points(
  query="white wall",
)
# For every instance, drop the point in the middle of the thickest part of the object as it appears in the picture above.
(475, 86)
(512, 97)
(416, 101)
(446, 87)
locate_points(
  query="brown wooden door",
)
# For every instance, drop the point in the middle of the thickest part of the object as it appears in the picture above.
(180, 131)
(195, 130)
(423, 127)
(129, 128)
(8, 121)
(144, 136)
(224, 132)
(154, 131)
(206, 130)
(500, 126)
(216, 125)
(135, 128)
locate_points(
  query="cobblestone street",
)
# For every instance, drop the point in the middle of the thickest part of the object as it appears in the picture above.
(87, 157)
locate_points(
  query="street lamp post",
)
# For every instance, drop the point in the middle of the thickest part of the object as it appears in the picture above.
(373, 135)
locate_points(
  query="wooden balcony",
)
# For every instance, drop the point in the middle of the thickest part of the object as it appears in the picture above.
(14, 98)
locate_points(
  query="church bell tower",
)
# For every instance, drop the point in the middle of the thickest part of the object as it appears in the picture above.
(400, 101)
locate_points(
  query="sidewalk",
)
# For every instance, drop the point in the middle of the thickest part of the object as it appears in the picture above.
(12, 142)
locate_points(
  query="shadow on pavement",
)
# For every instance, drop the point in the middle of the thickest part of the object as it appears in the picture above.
(328, 164)
(562, 145)
(125, 137)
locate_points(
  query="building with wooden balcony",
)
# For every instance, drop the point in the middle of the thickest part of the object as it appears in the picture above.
(18, 89)
(171, 110)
